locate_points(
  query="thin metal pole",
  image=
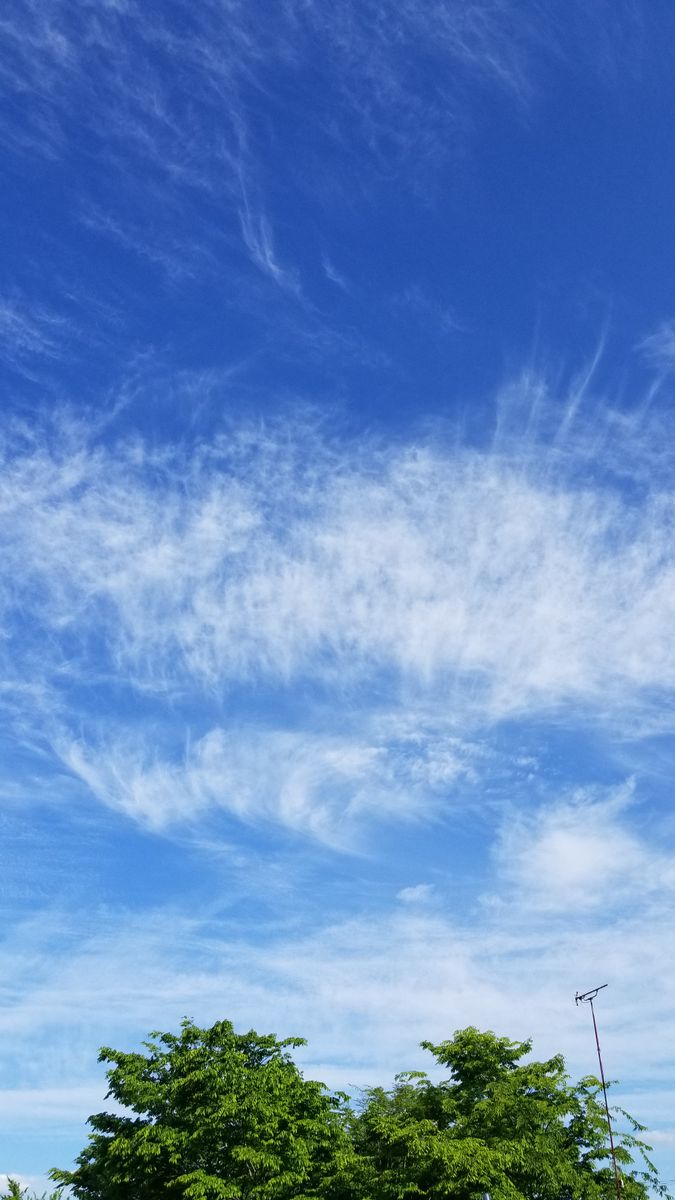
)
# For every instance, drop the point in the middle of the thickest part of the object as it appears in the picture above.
(589, 997)
(617, 1181)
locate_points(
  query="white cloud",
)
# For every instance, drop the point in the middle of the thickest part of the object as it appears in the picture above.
(660, 1137)
(442, 566)
(51, 1106)
(481, 585)
(364, 991)
(331, 272)
(257, 235)
(104, 66)
(659, 347)
(418, 893)
(581, 853)
(324, 786)
(416, 302)
(32, 335)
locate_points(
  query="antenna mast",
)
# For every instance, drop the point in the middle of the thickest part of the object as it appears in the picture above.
(588, 998)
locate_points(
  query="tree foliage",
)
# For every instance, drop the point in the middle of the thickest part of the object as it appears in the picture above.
(512, 1129)
(16, 1192)
(214, 1114)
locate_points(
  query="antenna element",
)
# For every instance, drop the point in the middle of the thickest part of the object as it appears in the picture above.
(588, 998)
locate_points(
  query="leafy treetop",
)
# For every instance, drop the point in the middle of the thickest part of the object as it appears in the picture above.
(513, 1129)
(217, 1114)
(210, 1114)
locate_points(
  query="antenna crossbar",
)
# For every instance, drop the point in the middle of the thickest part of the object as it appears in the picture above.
(586, 997)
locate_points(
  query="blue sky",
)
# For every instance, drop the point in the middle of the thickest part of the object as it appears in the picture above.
(338, 578)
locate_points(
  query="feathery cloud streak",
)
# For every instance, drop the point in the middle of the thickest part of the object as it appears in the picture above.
(472, 585)
(266, 556)
(185, 106)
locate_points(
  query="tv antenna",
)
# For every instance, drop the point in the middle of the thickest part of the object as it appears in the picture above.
(588, 998)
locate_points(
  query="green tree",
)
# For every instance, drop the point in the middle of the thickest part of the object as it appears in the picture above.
(216, 1114)
(520, 1131)
(16, 1192)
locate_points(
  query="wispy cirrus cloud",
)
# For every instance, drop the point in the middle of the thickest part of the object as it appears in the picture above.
(415, 302)
(97, 78)
(31, 334)
(658, 347)
(257, 235)
(461, 586)
(323, 786)
(332, 274)
(260, 555)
